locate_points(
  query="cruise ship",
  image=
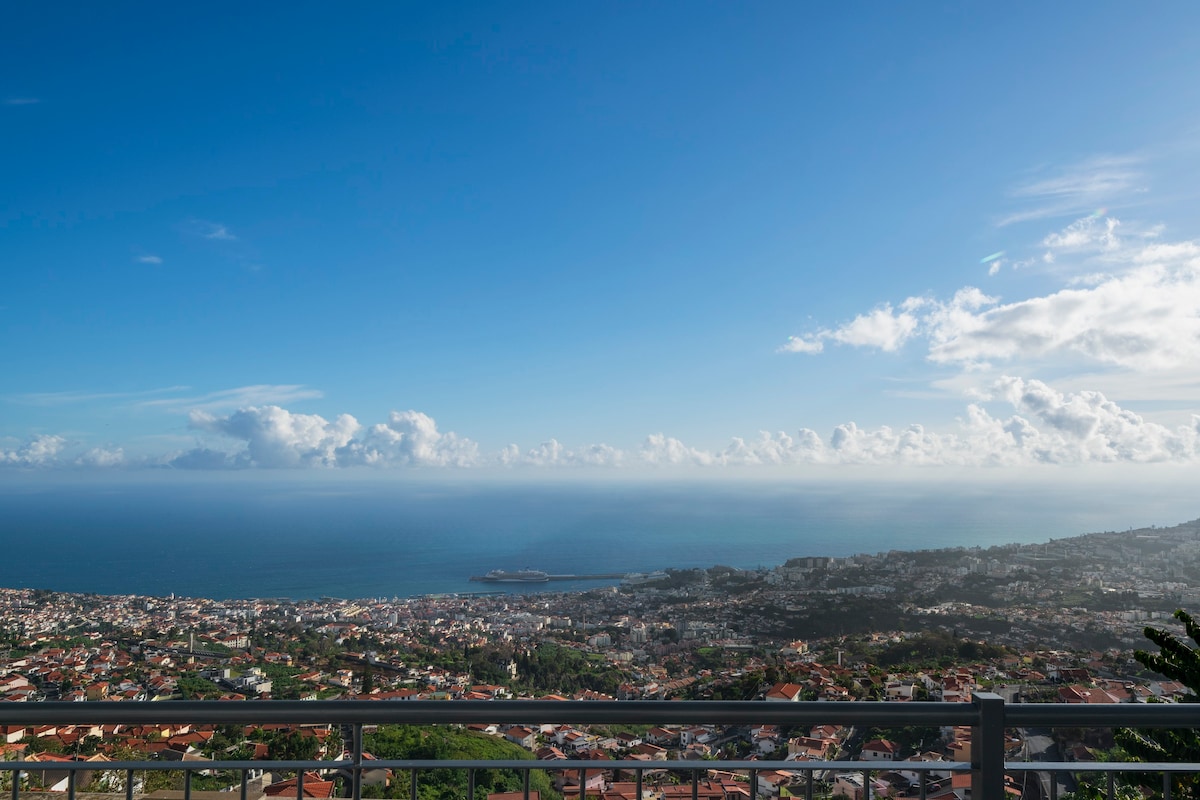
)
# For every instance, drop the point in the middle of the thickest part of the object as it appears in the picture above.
(518, 576)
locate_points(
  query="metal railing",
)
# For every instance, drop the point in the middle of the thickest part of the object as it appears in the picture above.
(988, 716)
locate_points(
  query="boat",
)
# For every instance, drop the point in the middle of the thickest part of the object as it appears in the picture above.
(517, 576)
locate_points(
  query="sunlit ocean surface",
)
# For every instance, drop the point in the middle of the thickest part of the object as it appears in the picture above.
(265, 537)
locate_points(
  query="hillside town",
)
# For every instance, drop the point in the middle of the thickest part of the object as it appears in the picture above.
(1053, 622)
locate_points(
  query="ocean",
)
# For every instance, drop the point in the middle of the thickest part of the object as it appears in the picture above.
(244, 535)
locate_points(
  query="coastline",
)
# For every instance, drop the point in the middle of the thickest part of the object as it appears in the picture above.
(1015, 552)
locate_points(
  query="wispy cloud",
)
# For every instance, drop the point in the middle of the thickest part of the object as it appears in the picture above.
(83, 396)
(150, 259)
(22, 101)
(240, 397)
(1077, 188)
(206, 229)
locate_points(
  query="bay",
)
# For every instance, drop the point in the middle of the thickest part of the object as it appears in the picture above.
(242, 536)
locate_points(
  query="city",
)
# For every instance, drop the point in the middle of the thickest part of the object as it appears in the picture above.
(1054, 622)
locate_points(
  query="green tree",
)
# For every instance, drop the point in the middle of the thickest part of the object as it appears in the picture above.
(1179, 661)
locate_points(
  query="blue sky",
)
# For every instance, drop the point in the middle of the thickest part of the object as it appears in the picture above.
(672, 235)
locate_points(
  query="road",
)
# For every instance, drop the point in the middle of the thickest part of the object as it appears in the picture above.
(1040, 746)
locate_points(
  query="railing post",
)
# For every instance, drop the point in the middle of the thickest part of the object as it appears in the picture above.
(356, 769)
(16, 787)
(987, 747)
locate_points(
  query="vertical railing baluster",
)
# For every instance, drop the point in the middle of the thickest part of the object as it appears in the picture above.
(16, 787)
(245, 788)
(128, 785)
(1053, 786)
(187, 784)
(412, 783)
(71, 784)
(356, 768)
(867, 784)
(299, 784)
(637, 773)
(525, 783)
(583, 784)
(753, 784)
(1166, 786)
(695, 784)
(1111, 785)
(923, 777)
(808, 790)
(470, 784)
(987, 747)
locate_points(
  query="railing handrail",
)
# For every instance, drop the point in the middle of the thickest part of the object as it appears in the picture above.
(987, 714)
(728, 712)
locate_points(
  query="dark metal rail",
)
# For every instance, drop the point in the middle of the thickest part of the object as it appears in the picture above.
(988, 716)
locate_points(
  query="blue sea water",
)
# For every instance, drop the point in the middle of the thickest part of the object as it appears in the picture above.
(242, 536)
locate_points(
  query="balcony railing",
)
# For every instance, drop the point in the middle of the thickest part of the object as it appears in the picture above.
(987, 715)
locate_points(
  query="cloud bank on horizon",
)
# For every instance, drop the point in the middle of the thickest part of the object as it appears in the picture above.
(1128, 312)
(1047, 427)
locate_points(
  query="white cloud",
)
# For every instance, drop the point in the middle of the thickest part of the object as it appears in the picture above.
(101, 457)
(150, 260)
(661, 450)
(1146, 319)
(275, 437)
(1050, 427)
(883, 328)
(22, 101)
(552, 453)
(1141, 314)
(799, 344)
(39, 451)
(773, 449)
(204, 458)
(1090, 232)
(1086, 426)
(409, 438)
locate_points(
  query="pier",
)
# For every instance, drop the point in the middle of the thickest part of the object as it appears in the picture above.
(605, 576)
